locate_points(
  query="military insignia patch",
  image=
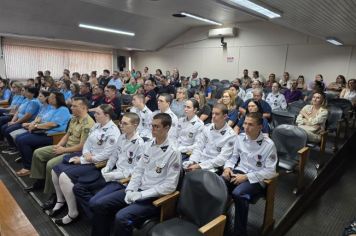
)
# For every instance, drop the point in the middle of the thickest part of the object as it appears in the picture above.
(164, 148)
(231, 144)
(223, 132)
(158, 170)
(86, 130)
(218, 149)
(145, 158)
(112, 141)
(190, 135)
(176, 166)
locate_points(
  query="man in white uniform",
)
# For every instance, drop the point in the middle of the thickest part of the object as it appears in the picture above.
(145, 114)
(254, 159)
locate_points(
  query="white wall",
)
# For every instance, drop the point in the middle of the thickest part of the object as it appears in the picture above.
(259, 46)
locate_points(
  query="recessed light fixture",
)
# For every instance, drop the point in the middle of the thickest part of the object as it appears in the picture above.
(99, 28)
(200, 18)
(334, 41)
(257, 8)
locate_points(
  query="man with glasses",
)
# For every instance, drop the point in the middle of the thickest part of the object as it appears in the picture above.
(214, 145)
(150, 95)
(156, 174)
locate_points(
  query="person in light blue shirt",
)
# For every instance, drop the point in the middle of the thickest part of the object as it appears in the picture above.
(26, 112)
(65, 89)
(5, 92)
(16, 101)
(53, 121)
(116, 81)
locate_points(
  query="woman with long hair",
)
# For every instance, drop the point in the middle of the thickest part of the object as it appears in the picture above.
(204, 112)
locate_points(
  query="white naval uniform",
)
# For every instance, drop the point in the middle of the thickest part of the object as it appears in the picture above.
(125, 157)
(100, 142)
(187, 133)
(256, 158)
(213, 147)
(173, 130)
(276, 101)
(144, 128)
(157, 172)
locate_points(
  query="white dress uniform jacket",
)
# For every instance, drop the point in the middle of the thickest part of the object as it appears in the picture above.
(258, 158)
(125, 157)
(157, 172)
(187, 133)
(213, 148)
(276, 101)
(144, 128)
(101, 142)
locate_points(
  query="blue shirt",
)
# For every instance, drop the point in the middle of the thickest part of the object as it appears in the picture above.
(60, 116)
(116, 82)
(17, 100)
(6, 94)
(29, 106)
(266, 108)
(44, 111)
(67, 94)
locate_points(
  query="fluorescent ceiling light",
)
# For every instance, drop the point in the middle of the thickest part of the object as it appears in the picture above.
(334, 41)
(201, 18)
(106, 29)
(257, 8)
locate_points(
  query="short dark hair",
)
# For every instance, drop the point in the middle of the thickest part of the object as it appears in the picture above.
(32, 90)
(106, 71)
(60, 101)
(165, 119)
(134, 118)
(235, 86)
(108, 110)
(222, 108)
(257, 116)
(32, 80)
(87, 84)
(195, 103)
(84, 101)
(167, 97)
(258, 104)
(112, 87)
(44, 93)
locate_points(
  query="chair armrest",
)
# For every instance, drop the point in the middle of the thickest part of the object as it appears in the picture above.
(271, 180)
(167, 204)
(125, 180)
(56, 137)
(214, 227)
(100, 164)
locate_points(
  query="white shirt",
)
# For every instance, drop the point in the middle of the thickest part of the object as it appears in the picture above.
(101, 142)
(157, 172)
(187, 133)
(276, 101)
(213, 147)
(126, 155)
(144, 128)
(258, 158)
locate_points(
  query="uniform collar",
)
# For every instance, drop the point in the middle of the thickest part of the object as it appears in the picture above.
(80, 120)
(107, 125)
(258, 140)
(193, 120)
(133, 138)
(222, 130)
(165, 143)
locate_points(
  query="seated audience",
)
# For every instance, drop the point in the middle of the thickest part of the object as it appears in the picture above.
(115, 80)
(84, 90)
(156, 174)
(164, 102)
(205, 87)
(178, 103)
(53, 121)
(166, 87)
(349, 93)
(5, 92)
(254, 158)
(97, 97)
(150, 95)
(112, 99)
(188, 129)
(228, 99)
(214, 145)
(293, 94)
(45, 158)
(285, 82)
(236, 91)
(204, 112)
(253, 106)
(301, 84)
(257, 96)
(120, 165)
(312, 117)
(338, 85)
(132, 87)
(275, 99)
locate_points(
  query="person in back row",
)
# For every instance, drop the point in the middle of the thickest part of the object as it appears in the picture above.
(145, 115)
(164, 102)
(214, 144)
(156, 174)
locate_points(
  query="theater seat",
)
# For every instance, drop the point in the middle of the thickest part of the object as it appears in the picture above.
(199, 189)
(292, 152)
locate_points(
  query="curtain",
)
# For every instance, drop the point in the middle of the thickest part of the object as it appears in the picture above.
(23, 62)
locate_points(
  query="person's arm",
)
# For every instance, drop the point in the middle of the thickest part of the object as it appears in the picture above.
(283, 102)
(342, 94)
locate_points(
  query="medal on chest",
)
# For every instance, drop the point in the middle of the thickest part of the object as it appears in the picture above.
(158, 170)
(259, 163)
(130, 159)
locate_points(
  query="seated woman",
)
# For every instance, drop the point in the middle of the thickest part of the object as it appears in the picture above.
(301, 85)
(178, 104)
(349, 93)
(235, 89)
(53, 121)
(26, 112)
(312, 117)
(5, 92)
(131, 87)
(17, 98)
(204, 112)
(338, 85)
(228, 99)
(252, 106)
(65, 89)
(99, 145)
(188, 128)
(275, 99)
(206, 88)
(74, 88)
